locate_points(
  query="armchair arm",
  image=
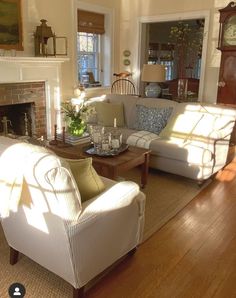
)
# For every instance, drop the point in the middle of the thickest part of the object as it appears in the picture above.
(116, 197)
(109, 226)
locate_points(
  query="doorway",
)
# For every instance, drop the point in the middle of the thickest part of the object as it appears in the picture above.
(162, 51)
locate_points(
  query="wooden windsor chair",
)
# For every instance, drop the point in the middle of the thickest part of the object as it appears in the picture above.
(122, 84)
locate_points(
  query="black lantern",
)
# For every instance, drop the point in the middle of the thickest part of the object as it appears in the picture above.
(45, 40)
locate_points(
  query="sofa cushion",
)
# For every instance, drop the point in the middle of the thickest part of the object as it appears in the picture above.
(91, 116)
(107, 112)
(87, 179)
(181, 125)
(191, 152)
(152, 119)
(129, 103)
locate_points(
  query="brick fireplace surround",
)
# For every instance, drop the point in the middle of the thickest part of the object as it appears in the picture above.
(22, 93)
(35, 81)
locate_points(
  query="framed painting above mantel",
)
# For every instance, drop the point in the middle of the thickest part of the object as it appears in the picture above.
(11, 25)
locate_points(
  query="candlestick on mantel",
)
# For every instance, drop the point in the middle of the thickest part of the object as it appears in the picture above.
(114, 122)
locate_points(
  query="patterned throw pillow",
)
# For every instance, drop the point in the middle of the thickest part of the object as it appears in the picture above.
(152, 119)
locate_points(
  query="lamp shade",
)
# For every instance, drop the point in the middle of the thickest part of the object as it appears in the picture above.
(153, 73)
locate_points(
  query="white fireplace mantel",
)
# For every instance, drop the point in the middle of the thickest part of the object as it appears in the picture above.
(33, 69)
(34, 59)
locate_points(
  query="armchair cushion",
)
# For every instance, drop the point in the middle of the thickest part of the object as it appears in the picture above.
(87, 179)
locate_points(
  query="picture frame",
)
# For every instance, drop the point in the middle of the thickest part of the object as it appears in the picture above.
(11, 25)
(61, 46)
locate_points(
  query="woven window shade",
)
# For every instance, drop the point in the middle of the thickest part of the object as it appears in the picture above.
(90, 22)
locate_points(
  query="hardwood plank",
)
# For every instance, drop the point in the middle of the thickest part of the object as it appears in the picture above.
(193, 255)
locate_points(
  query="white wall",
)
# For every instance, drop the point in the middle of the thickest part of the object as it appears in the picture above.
(133, 10)
(59, 14)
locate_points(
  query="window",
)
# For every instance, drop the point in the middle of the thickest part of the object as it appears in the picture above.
(89, 63)
(93, 43)
(169, 69)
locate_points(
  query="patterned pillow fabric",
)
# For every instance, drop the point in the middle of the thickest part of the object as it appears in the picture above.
(152, 119)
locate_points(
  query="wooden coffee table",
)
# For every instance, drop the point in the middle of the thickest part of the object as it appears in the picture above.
(110, 167)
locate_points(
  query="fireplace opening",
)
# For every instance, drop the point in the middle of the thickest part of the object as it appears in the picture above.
(23, 109)
(18, 118)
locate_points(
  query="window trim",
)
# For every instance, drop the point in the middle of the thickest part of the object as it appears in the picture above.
(108, 50)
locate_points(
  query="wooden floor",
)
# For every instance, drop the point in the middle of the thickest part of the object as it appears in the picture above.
(193, 255)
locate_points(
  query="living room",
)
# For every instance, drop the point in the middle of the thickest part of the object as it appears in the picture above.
(192, 255)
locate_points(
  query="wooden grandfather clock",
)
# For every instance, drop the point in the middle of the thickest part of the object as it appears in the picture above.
(227, 46)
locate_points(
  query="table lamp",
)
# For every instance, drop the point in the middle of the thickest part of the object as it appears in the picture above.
(153, 74)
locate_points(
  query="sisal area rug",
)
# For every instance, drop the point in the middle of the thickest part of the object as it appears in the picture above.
(166, 195)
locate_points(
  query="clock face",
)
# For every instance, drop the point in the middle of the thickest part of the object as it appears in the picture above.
(229, 37)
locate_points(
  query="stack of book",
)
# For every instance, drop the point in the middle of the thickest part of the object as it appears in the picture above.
(74, 140)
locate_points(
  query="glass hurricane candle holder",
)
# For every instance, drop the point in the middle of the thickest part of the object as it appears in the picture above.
(116, 140)
(96, 137)
(106, 143)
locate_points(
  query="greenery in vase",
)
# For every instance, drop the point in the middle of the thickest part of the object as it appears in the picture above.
(75, 114)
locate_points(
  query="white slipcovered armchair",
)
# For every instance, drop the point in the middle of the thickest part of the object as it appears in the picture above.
(43, 217)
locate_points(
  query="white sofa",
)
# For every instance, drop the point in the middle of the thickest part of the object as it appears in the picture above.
(195, 141)
(43, 217)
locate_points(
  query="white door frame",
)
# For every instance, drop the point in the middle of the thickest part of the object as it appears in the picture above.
(203, 14)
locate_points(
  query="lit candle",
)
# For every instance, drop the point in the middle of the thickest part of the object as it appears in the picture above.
(114, 122)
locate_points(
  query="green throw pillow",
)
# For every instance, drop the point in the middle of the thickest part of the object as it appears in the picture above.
(87, 179)
(107, 112)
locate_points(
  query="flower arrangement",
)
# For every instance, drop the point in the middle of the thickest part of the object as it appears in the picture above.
(75, 114)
